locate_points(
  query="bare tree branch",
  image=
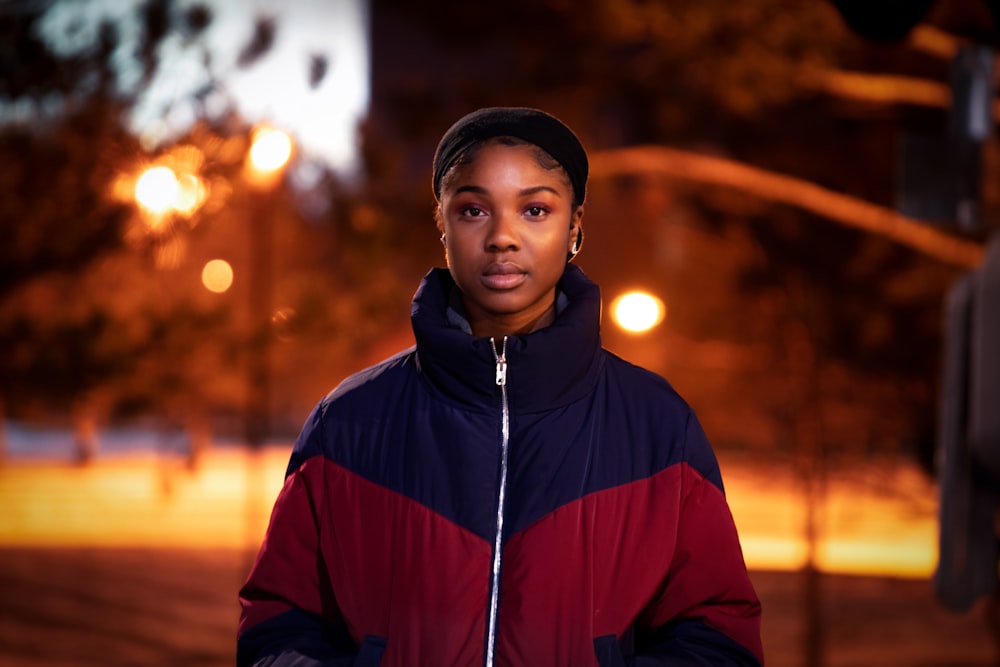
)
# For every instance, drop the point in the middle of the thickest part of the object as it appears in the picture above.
(935, 42)
(893, 89)
(839, 207)
(878, 88)
(882, 88)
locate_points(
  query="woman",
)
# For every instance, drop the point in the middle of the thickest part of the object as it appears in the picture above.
(507, 492)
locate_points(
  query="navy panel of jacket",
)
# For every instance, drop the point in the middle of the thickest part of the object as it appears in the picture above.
(617, 545)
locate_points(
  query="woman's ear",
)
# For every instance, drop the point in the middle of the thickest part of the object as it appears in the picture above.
(575, 233)
(439, 224)
(438, 219)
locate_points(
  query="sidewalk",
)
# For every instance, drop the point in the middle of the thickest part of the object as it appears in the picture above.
(133, 607)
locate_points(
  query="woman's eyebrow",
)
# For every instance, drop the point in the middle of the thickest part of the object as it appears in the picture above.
(475, 189)
(539, 188)
(479, 190)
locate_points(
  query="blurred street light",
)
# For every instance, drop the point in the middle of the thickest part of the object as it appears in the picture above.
(161, 190)
(157, 189)
(270, 151)
(217, 276)
(637, 311)
(167, 194)
(190, 194)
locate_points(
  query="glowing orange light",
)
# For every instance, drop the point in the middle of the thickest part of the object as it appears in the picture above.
(271, 150)
(190, 194)
(865, 531)
(637, 311)
(156, 189)
(217, 276)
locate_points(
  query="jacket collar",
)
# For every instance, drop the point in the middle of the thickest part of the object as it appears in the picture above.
(545, 369)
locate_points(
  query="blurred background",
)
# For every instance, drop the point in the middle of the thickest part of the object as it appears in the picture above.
(213, 211)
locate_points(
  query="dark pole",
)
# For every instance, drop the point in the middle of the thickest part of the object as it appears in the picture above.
(269, 153)
(259, 345)
(802, 363)
(262, 181)
(257, 359)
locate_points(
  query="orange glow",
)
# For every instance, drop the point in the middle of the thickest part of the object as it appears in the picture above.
(156, 190)
(160, 190)
(283, 321)
(270, 151)
(191, 194)
(186, 159)
(141, 500)
(879, 521)
(637, 311)
(217, 276)
(170, 252)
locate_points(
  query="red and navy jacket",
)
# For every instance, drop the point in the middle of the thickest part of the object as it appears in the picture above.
(533, 501)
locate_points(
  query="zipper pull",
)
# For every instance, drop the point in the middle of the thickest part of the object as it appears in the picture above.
(501, 372)
(501, 360)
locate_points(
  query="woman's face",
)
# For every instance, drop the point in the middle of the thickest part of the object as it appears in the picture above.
(509, 224)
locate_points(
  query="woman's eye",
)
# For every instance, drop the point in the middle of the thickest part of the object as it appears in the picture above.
(471, 211)
(536, 211)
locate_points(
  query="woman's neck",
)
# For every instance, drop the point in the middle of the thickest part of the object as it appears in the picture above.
(497, 327)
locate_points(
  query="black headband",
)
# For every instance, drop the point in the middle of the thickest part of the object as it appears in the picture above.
(534, 126)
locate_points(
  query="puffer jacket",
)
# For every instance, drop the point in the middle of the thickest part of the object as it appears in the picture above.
(526, 502)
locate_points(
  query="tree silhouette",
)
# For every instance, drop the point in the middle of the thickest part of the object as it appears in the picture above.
(709, 78)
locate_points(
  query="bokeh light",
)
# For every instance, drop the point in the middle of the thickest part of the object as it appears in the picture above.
(217, 276)
(271, 150)
(637, 311)
(157, 189)
(191, 194)
(285, 323)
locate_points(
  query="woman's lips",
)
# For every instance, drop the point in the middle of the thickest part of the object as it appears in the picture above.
(503, 276)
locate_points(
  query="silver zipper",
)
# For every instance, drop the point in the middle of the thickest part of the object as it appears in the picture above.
(501, 380)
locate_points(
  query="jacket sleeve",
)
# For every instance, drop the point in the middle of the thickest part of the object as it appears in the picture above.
(707, 612)
(289, 616)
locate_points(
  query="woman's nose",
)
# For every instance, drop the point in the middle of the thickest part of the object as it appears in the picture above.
(502, 233)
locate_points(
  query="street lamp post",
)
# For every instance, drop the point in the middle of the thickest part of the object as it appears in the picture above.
(270, 151)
